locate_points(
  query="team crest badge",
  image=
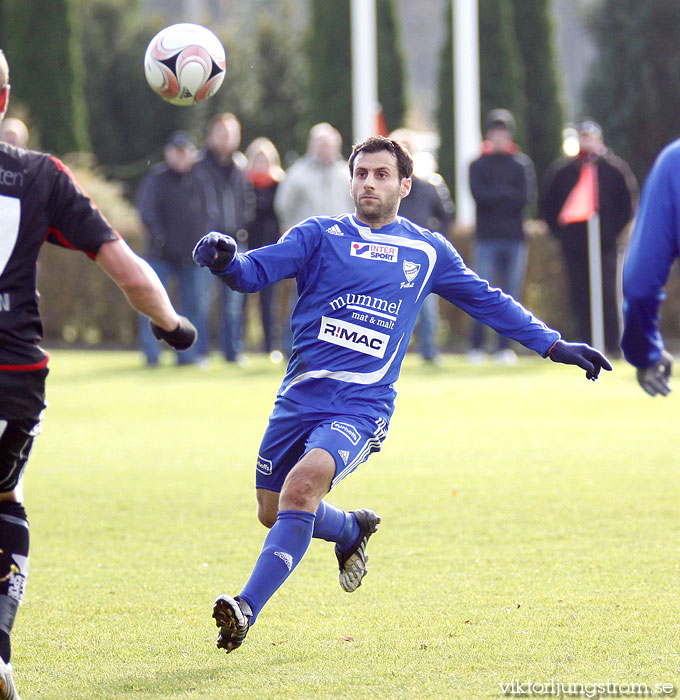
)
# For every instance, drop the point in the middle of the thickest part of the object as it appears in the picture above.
(411, 270)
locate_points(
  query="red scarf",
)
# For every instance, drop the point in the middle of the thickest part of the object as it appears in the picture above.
(487, 148)
(260, 180)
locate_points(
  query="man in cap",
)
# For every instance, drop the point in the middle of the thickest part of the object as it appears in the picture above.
(502, 182)
(615, 195)
(171, 203)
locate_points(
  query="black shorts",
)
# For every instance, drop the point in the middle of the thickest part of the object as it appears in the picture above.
(22, 400)
(16, 440)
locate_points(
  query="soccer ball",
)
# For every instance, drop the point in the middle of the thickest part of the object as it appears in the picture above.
(185, 63)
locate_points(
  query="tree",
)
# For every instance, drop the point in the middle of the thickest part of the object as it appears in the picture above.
(501, 76)
(500, 64)
(445, 106)
(634, 85)
(42, 41)
(544, 111)
(329, 60)
(328, 50)
(128, 122)
(390, 66)
(279, 73)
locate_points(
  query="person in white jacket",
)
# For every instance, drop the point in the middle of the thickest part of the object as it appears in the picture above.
(317, 184)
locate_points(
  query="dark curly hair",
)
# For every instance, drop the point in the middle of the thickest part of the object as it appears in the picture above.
(374, 144)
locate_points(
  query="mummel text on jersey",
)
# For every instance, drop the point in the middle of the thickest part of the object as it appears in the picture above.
(360, 292)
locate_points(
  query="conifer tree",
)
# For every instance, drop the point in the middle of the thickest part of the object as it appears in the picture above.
(280, 77)
(501, 76)
(500, 64)
(391, 73)
(445, 106)
(634, 84)
(544, 117)
(329, 59)
(42, 41)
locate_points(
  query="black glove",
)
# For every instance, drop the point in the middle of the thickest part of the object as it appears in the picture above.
(656, 379)
(182, 338)
(215, 251)
(580, 354)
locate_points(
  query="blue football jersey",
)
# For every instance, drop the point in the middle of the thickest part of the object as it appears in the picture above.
(653, 247)
(360, 291)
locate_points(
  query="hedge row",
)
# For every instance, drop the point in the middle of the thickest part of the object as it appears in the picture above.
(83, 307)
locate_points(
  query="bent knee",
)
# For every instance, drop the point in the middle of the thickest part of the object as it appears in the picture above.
(267, 507)
(267, 513)
(266, 518)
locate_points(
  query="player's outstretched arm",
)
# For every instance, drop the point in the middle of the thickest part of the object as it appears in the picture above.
(656, 379)
(580, 354)
(215, 251)
(146, 294)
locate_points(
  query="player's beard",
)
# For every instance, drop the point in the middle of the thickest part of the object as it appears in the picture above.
(379, 212)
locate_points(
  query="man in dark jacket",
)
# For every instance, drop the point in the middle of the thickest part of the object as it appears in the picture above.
(502, 182)
(171, 203)
(230, 208)
(617, 189)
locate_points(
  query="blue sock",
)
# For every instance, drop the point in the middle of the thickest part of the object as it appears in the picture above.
(283, 548)
(335, 525)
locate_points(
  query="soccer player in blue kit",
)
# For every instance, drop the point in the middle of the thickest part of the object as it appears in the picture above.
(361, 280)
(654, 246)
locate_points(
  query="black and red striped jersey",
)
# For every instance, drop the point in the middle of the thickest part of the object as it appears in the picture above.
(40, 200)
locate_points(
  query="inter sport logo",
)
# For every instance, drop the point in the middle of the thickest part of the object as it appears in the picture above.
(374, 251)
(349, 335)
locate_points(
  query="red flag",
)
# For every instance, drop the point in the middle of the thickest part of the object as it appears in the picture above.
(581, 203)
(380, 125)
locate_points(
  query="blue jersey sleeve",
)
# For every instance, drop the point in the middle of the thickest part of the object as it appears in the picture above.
(462, 287)
(651, 252)
(251, 271)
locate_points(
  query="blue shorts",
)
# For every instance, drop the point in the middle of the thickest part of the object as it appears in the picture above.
(294, 430)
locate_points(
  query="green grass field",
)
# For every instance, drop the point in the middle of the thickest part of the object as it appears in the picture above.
(530, 531)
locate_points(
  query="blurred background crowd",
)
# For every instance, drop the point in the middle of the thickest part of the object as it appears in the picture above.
(243, 161)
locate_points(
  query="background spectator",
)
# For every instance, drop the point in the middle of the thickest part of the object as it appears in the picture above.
(14, 132)
(171, 203)
(264, 173)
(617, 193)
(503, 182)
(230, 209)
(429, 205)
(316, 184)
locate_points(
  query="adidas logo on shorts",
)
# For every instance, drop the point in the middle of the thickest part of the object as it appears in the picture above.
(344, 454)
